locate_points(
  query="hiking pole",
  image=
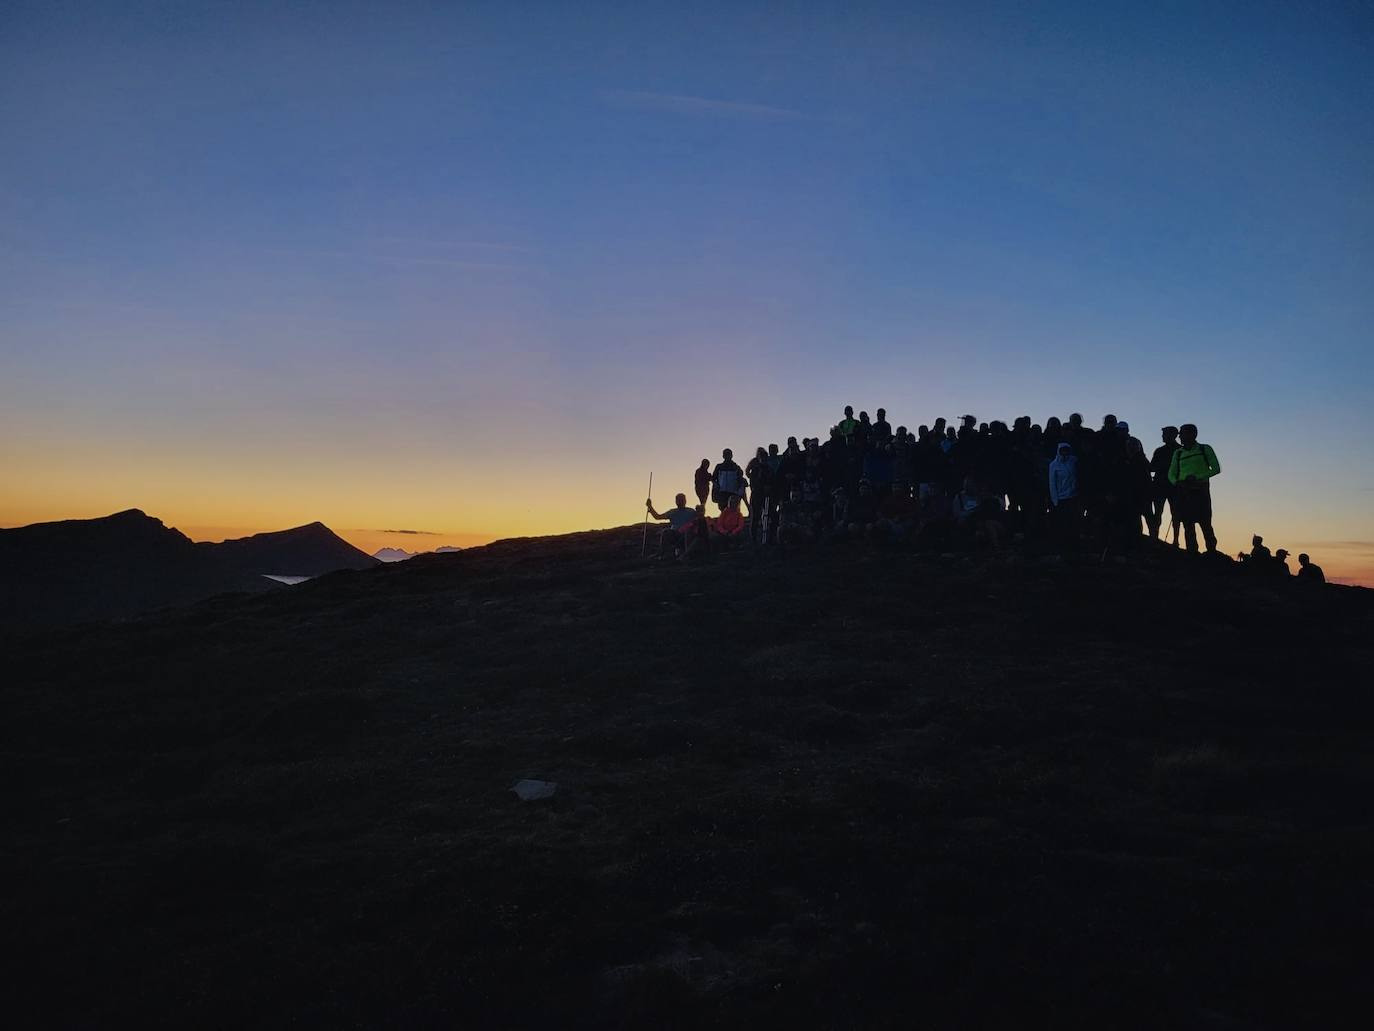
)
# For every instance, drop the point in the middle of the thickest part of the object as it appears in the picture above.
(644, 545)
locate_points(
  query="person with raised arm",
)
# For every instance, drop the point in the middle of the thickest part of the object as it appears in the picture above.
(672, 542)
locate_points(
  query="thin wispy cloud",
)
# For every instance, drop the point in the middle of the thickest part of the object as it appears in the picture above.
(1338, 545)
(421, 533)
(678, 104)
(446, 261)
(452, 245)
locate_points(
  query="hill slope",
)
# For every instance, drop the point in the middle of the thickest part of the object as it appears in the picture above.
(80, 569)
(129, 562)
(853, 788)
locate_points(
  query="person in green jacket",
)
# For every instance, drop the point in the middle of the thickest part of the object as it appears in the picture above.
(1190, 473)
(848, 424)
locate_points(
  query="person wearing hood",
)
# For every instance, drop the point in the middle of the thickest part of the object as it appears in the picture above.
(1065, 506)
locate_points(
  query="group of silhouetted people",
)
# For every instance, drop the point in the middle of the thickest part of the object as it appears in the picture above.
(1260, 561)
(1062, 485)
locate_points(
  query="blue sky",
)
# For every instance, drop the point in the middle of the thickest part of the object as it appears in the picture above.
(256, 251)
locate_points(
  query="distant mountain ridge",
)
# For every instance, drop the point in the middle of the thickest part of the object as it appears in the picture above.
(310, 550)
(400, 554)
(129, 562)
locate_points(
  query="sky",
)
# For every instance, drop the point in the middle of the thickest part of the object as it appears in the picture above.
(477, 269)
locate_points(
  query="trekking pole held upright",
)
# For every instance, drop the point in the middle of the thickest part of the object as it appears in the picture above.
(644, 545)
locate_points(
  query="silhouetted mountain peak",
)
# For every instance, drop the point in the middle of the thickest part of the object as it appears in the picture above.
(309, 550)
(129, 562)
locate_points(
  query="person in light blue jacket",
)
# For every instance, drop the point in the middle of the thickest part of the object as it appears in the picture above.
(1067, 509)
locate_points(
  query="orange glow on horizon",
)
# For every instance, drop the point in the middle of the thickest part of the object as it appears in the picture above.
(1347, 562)
(546, 477)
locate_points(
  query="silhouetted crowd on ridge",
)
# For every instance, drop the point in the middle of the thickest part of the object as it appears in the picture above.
(1062, 486)
(1258, 560)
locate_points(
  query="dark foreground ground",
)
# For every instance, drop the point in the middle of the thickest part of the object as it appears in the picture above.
(859, 788)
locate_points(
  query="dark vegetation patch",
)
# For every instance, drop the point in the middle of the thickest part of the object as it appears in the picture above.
(851, 789)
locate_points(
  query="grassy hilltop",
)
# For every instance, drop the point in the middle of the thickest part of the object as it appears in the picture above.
(853, 788)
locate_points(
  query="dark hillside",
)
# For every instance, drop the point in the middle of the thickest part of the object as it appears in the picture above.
(129, 562)
(855, 788)
(68, 572)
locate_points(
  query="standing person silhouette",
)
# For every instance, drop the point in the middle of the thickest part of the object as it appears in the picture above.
(1159, 475)
(1066, 506)
(1190, 474)
(882, 429)
(728, 480)
(703, 481)
(763, 502)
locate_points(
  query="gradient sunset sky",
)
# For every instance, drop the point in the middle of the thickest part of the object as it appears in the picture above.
(476, 269)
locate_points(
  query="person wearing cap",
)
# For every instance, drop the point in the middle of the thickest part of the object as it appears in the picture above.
(1309, 572)
(1163, 490)
(1132, 441)
(1279, 565)
(1190, 474)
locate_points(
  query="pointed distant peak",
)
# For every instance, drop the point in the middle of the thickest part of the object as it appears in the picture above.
(315, 529)
(130, 515)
